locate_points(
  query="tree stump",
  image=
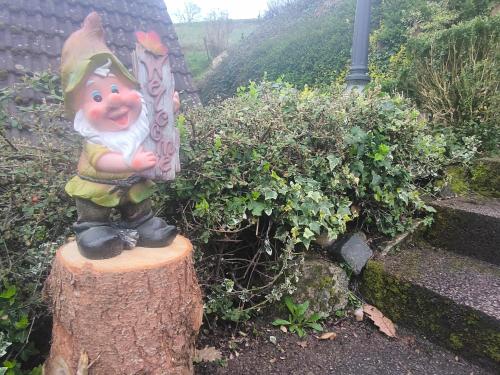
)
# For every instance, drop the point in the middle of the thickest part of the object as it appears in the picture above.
(137, 313)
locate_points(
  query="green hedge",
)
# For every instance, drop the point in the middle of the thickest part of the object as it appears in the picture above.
(36, 214)
(456, 77)
(269, 171)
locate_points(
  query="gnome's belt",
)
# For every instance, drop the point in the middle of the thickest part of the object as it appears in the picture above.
(121, 183)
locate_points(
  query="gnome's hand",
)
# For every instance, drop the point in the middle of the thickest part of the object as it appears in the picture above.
(143, 160)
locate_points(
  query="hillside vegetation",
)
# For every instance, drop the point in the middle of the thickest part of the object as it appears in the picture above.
(307, 43)
(191, 39)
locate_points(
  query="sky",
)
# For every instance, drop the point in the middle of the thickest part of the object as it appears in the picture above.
(237, 9)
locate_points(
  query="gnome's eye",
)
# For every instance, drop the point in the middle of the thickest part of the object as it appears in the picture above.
(114, 89)
(96, 95)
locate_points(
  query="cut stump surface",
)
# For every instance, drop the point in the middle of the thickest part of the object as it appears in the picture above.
(138, 313)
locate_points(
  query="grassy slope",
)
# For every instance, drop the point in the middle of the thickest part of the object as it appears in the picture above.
(191, 39)
(308, 43)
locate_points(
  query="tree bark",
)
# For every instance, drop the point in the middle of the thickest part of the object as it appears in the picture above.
(137, 313)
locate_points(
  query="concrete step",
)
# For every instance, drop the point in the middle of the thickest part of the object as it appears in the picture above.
(468, 226)
(453, 300)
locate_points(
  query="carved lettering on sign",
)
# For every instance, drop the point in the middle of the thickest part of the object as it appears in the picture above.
(153, 72)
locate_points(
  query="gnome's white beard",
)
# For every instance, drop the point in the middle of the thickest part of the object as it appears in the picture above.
(125, 141)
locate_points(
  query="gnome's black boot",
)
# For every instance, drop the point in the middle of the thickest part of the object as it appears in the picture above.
(95, 236)
(98, 241)
(153, 231)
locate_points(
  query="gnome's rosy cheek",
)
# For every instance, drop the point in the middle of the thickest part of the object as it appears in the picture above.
(133, 98)
(95, 113)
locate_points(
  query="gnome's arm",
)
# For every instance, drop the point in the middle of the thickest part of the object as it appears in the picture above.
(114, 162)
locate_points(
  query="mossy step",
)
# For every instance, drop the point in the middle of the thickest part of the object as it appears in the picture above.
(482, 177)
(468, 226)
(485, 177)
(452, 299)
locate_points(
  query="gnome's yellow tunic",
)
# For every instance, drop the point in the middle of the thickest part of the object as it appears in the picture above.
(107, 195)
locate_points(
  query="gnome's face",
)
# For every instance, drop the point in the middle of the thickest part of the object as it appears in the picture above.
(109, 103)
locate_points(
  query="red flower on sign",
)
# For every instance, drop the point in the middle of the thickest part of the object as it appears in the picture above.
(151, 42)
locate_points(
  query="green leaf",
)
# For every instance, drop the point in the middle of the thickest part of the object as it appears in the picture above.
(22, 323)
(384, 149)
(357, 135)
(375, 179)
(9, 364)
(281, 322)
(270, 194)
(256, 207)
(333, 161)
(217, 143)
(202, 207)
(9, 293)
(316, 326)
(315, 227)
(314, 317)
(308, 233)
(301, 332)
(302, 308)
(290, 305)
(255, 195)
(314, 195)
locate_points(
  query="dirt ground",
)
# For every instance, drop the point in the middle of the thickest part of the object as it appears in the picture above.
(359, 348)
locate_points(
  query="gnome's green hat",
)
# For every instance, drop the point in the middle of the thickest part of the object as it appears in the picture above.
(84, 51)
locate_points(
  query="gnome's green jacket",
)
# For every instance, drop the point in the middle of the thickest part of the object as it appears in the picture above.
(106, 195)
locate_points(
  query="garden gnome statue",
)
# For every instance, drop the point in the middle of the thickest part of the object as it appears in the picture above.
(102, 98)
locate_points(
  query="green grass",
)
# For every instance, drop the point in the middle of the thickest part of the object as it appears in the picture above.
(191, 40)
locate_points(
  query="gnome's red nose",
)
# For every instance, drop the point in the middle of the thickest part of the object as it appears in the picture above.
(128, 99)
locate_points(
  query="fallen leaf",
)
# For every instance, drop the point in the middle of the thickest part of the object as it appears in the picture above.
(328, 336)
(384, 324)
(302, 344)
(207, 354)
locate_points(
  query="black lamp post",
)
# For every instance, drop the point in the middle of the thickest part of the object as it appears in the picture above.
(358, 75)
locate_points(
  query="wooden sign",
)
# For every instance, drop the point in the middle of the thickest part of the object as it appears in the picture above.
(152, 69)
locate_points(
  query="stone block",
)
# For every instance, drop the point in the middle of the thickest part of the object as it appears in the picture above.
(324, 284)
(353, 250)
